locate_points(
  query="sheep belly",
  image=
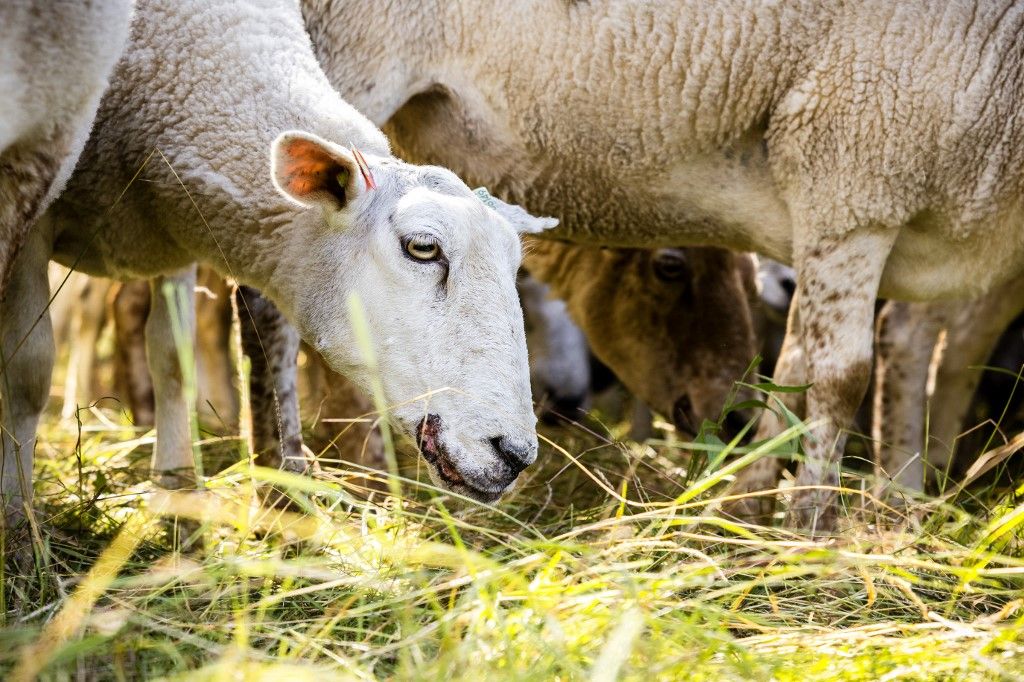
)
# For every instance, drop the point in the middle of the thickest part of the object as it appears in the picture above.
(927, 264)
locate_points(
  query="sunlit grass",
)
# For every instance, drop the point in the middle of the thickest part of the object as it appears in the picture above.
(609, 563)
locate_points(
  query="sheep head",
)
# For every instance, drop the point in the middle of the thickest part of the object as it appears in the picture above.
(407, 285)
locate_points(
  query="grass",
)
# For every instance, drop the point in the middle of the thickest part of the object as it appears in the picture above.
(608, 564)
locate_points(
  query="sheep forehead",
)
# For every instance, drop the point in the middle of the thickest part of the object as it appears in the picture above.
(462, 218)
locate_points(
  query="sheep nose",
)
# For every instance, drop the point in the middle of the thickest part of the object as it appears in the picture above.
(517, 454)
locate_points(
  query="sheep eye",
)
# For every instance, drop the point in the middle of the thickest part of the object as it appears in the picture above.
(423, 249)
(670, 265)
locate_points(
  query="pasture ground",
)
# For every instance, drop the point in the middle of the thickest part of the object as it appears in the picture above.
(609, 563)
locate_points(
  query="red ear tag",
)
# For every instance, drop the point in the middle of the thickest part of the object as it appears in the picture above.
(364, 169)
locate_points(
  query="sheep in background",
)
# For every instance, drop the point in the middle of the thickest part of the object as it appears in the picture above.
(665, 321)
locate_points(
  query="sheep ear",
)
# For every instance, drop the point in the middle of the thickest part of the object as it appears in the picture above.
(310, 170)
(521, 221)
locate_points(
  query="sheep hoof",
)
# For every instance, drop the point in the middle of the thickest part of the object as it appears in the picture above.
(176, 479)
(813, 512)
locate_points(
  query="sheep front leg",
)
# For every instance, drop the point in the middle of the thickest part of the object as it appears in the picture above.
(171, 321)
(763, 474)
(27, 366)
(837, 281)
(272, 345)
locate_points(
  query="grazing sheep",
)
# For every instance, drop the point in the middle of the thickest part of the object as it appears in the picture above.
(176, 172)
(558, 354)
(666, 322)
(875, 146)
(55, 57)
(910, 350)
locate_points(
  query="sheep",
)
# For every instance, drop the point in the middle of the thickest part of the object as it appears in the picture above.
(944, 340)
(558, 354)
(666, 321)
(432, 265)
(873, 146)
(55, 57)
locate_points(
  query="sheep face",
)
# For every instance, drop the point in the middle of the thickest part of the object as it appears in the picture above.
(675, 325)
(408, 288)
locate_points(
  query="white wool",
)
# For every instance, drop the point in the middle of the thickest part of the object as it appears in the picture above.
(177, 171)
(877, 147)
(55, 58)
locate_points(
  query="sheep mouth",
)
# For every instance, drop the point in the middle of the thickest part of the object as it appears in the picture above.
(436, 454)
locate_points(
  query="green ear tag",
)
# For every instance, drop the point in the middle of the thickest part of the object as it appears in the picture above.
(483, 195)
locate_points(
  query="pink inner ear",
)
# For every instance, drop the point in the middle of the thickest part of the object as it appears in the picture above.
(305, 167)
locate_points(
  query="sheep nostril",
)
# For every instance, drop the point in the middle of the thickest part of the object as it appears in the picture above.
(517, 455)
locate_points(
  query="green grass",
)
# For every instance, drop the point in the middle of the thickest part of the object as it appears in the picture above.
(609, 563)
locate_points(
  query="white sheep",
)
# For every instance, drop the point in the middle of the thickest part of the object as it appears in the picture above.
(176, 171)
(875, 146)
(55, 57)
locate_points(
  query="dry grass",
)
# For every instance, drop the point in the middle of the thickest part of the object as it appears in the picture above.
(610, 563)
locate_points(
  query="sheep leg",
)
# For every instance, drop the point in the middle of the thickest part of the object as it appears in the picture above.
(87, 326)
(837, 282)
(216, 390)
(973, 333)
(272, 345)
(130, 312)
(763, 474)
(905, 343)
(173, 462)
(26, 335)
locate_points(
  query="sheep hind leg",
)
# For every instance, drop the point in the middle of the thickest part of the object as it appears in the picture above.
(837, 282)
(763, 474)
(28, 353)
(905, 343)
(172, 321)
(973, 333)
